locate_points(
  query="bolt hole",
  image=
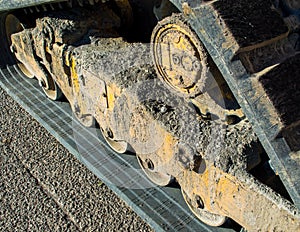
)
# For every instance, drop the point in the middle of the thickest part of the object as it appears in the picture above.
(200, 204)
(176, 60)
(109, 133)
(196, 66)
(150, 164)
(42, 83)
(181, 80)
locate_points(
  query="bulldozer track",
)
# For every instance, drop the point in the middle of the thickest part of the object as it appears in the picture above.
(162, 207)
(254, 63)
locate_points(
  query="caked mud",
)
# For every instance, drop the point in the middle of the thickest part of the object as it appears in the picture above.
(201, 105)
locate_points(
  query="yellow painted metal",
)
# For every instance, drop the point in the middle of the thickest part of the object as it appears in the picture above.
(240, 198)
(13, 25)
(113, 92)
(75, 78)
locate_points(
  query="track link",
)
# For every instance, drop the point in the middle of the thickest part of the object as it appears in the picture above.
(228, 45)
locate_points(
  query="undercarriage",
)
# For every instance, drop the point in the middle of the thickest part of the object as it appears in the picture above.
(205, 94)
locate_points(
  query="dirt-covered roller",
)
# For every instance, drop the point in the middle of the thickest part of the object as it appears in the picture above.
(205, 93)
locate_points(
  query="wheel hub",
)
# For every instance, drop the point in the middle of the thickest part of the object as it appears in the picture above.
(179, 57)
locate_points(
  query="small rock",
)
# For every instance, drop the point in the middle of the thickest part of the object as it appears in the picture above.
(163, 109)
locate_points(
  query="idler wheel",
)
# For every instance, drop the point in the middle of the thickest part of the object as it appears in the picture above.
(179, 57)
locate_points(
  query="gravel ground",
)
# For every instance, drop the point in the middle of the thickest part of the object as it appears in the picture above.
(44, 188)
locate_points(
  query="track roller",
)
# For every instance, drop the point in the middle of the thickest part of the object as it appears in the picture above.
(118, 146)
(159, 178)
(12, 26)
(197, 206)
(51, 89)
